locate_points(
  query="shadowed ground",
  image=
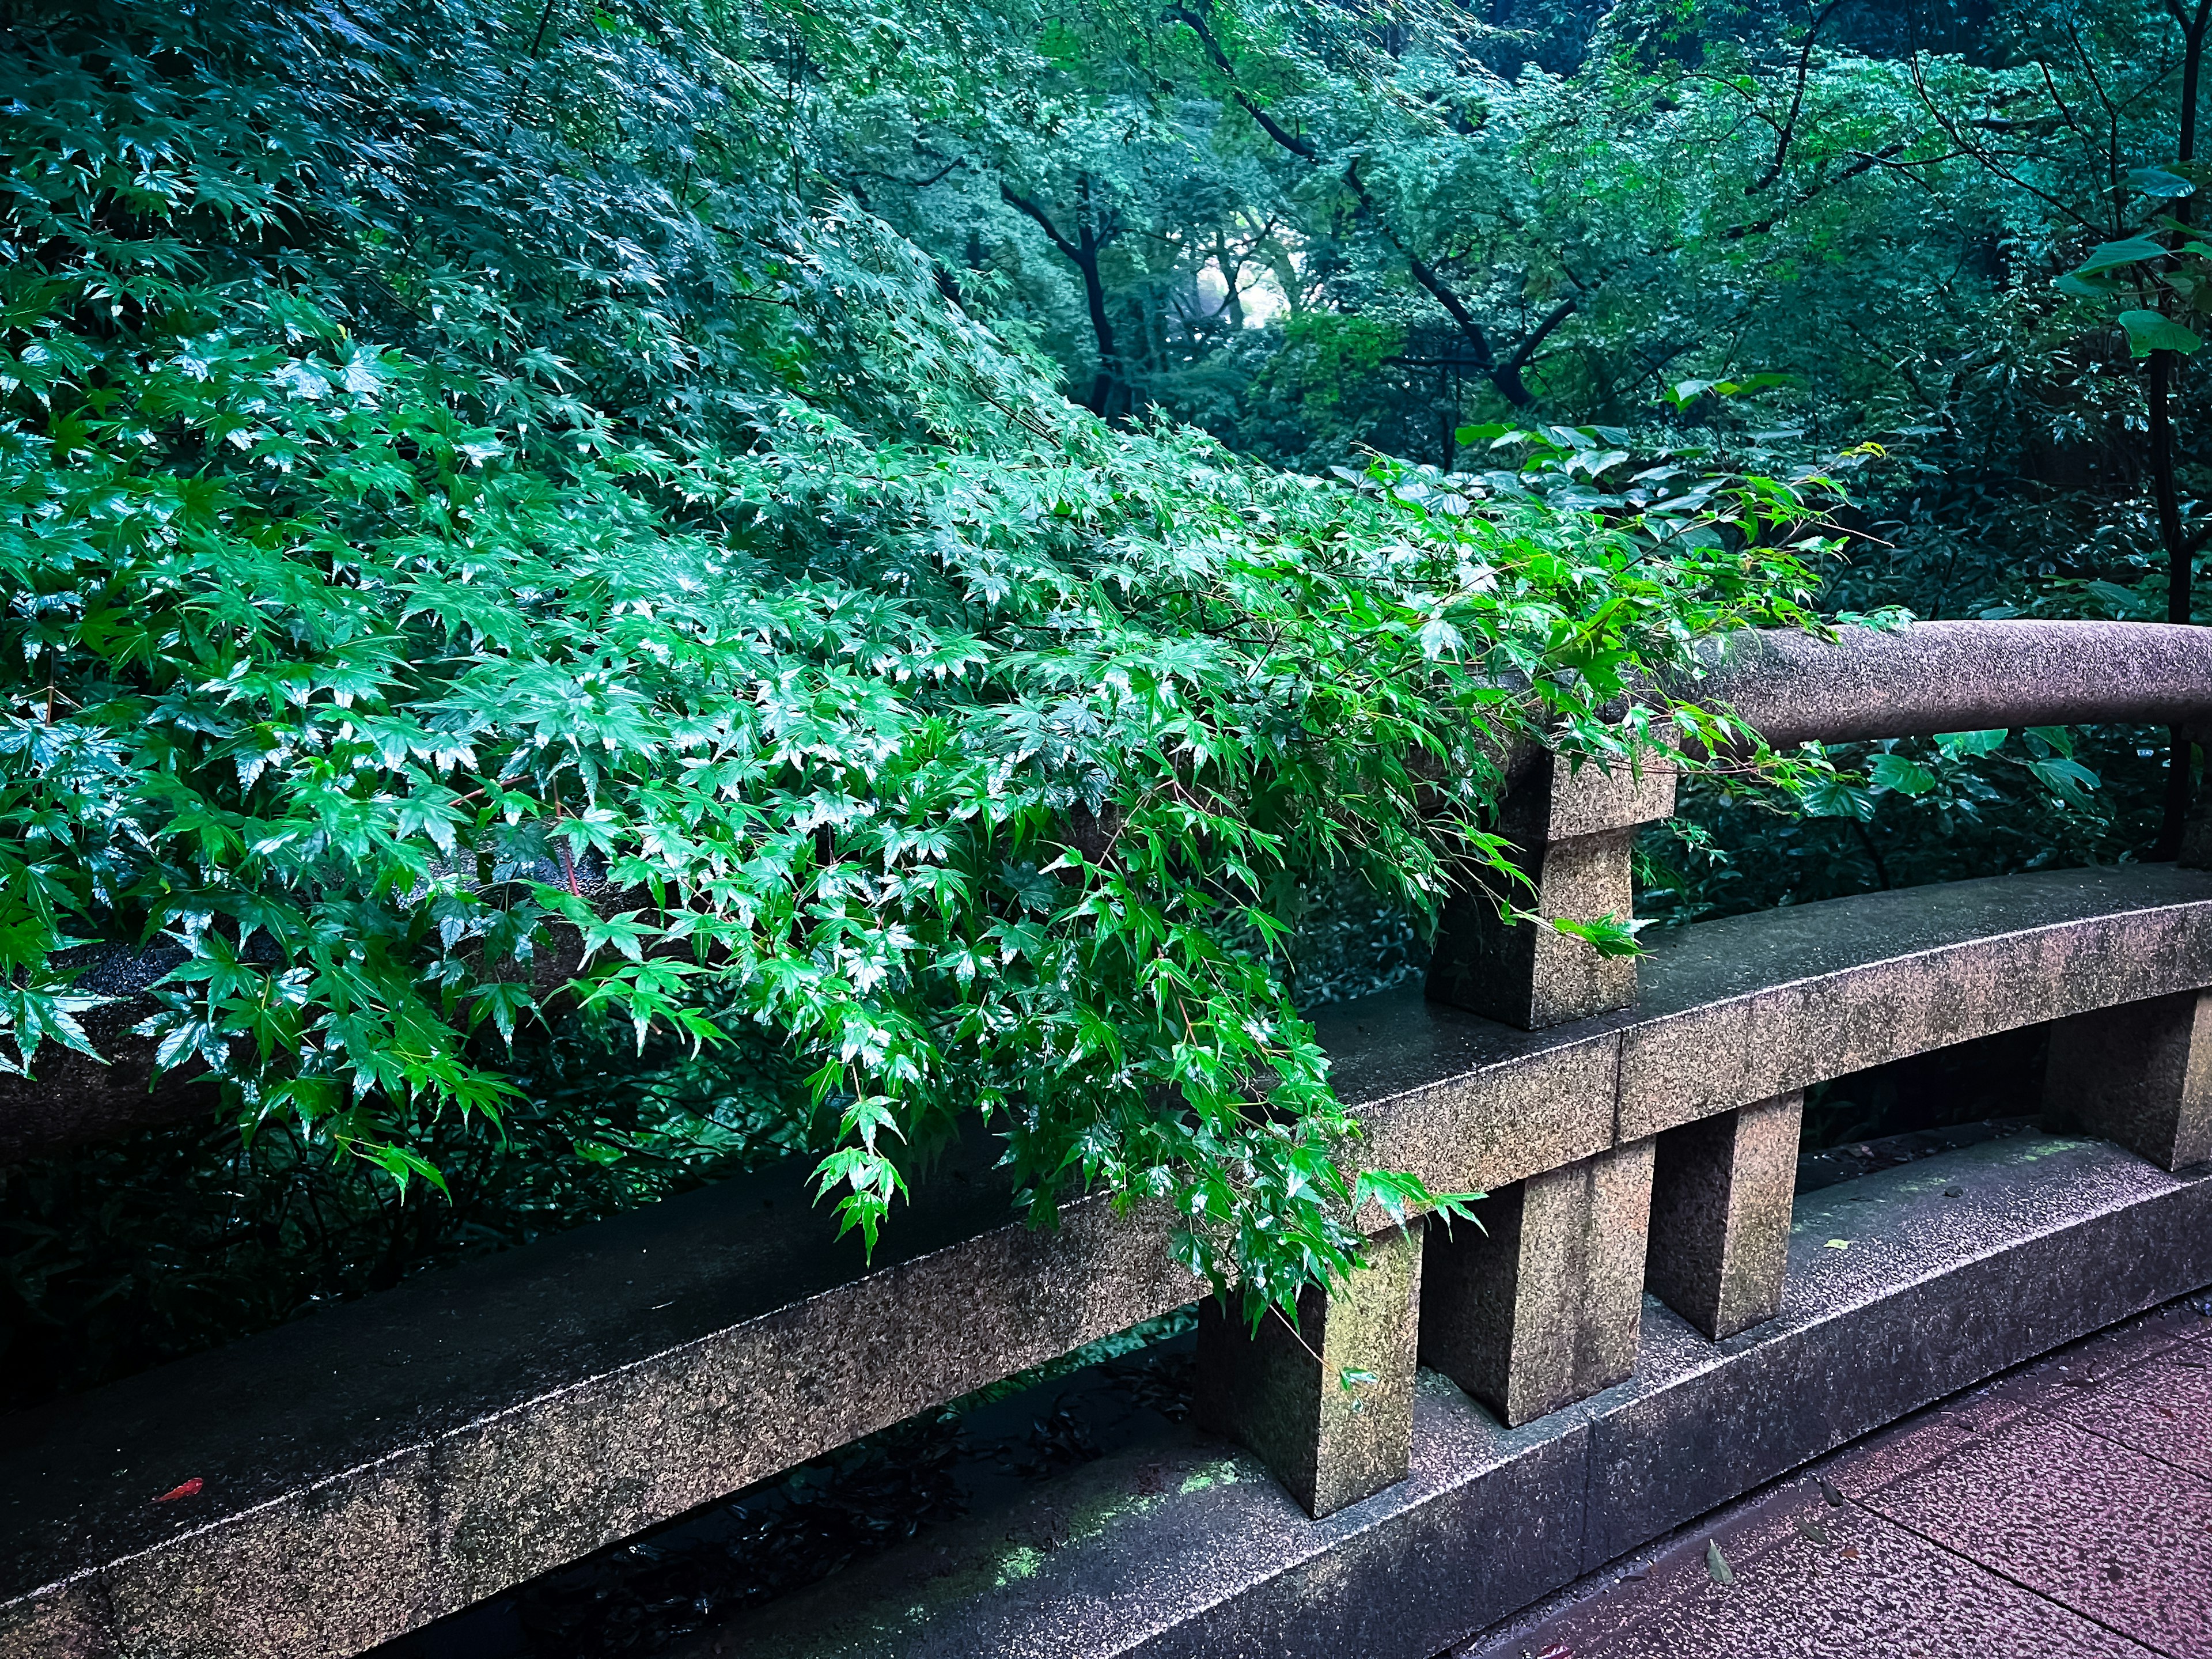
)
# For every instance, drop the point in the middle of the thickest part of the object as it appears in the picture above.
(2063, 1509)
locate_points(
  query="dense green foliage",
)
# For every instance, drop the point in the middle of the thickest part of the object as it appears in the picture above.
(476, 487)
(851, 540)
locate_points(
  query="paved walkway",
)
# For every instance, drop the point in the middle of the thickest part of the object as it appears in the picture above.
(2064, 1511)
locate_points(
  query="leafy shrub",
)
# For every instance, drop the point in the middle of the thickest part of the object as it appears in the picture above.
(490, 538)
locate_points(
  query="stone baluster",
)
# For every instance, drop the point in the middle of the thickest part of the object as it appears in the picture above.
(1722, 1191)
(2139, 1074)
(1571, 832)
(1542, 1306)
(1329, 1405)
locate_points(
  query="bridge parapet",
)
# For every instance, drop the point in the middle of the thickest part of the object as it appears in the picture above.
(370, 1470)
(1691, 1196)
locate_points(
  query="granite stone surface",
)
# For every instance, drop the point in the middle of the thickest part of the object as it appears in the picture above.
(1750, 1007)
(1677, 1451)
(1572, 832)
(1931, 678)
(1558, 801)
(1809, 1581)
(2140, 1074)
(1872, 1591)
(383, 1463)
(1730, 1013)
(374, 1467)
(1469, 1105)
(1526, 975)
(2161, 1407)
(1187, 1548)
(2020, 1518)
(1722, 1192)
(1539, 1307)
(1328, 1407)
(2116, 1536)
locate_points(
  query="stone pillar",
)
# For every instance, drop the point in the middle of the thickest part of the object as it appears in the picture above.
(1722, 1191)
(1542, 1306)
(2140, 1074)
(1572, 832)
(1328, 1407)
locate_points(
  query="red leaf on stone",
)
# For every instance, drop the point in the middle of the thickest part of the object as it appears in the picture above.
(1557, 1650)
(190, 1489)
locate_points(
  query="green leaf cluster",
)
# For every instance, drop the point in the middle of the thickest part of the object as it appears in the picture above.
(492, 535)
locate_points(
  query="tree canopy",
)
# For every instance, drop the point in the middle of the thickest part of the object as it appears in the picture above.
(900, 545)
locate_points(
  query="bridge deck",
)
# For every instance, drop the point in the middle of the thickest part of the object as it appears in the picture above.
(365, 1472)
(2066, 1507)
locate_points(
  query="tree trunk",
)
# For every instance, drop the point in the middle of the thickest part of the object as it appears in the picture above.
(2180, 551)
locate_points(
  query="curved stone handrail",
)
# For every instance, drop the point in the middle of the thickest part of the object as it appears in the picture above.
(1929, 677)
(383, 1464)
(1738, 1010)
(1791, 687)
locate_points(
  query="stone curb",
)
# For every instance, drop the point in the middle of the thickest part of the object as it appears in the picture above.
(1188, 1548)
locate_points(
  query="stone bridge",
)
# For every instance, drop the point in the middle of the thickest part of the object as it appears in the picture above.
(1649, 1323)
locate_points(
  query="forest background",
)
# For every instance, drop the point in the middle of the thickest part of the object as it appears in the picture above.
(1552, 253)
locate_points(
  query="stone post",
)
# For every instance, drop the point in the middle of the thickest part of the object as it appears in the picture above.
(1544, 1307)
(1572, 832)
(2140, 1074)
(1722, 1191)
(1328, 1407)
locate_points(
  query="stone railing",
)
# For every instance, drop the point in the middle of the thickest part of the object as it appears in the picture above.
(365, 1472)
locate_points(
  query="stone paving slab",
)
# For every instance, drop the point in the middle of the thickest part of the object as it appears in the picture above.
(2118, 1537)
(2063, 1509)
(1869, 1588)
(2162, 1407)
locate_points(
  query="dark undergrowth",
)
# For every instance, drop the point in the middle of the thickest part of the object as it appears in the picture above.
(649, 1593)
(121, 1256)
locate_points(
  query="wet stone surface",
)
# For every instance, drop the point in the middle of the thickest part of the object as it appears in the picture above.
(647, 1595)
(2063, 1508)
(2082, 1523)
(1951, 1269)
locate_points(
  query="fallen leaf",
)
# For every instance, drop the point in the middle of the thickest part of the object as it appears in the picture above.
(1815, 1531)
(190, 1489)
(1849, 1551)
(1839, 1243)
(1557, 1650)
(1716, 1563)
(1828, 1490)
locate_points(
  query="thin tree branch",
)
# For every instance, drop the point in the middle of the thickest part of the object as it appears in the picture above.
(1788, 130)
